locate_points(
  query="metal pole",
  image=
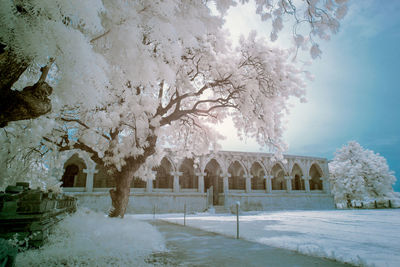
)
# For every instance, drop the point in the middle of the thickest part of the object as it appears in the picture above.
(184, 215)
(237, 220)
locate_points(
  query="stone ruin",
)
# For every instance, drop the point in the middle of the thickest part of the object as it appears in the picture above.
(28, 214)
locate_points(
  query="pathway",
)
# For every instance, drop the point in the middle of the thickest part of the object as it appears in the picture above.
(192, 247)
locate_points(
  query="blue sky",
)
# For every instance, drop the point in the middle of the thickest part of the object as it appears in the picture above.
(356, 91)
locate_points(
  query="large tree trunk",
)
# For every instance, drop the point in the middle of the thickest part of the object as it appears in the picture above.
(120, 195)
(29, 103)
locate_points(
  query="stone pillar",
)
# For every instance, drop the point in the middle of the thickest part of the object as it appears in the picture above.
(268, 183)
(149, 186)
(248, 182)
(307, 179)
(149, 182)
(89, 178)
(226, 176)
(200, 176)
(288, 183)
(326, 185)
(176, 186)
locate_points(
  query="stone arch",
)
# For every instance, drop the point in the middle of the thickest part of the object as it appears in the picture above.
(213, 179)
(316, 175)
(188, 178)
(172, 162)
(258, 173)
(319, 167)
(278, 174)
(297, 174)
(66, 155)
(237, 172)
(219, 161)
(74, 175)
(164, 179)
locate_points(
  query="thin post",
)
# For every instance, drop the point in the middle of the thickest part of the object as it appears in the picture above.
(154, 212)
(184, 215)
(237, 219)
(390, 204)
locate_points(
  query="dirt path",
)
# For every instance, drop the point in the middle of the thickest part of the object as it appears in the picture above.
(192, 247)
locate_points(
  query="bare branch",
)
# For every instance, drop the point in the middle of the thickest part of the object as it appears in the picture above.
(85, 126)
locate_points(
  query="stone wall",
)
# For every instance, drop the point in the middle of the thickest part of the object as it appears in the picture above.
(141, 202)
(280, 201)
(169, 202)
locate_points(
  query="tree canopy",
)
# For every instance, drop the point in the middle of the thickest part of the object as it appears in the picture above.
(126, 78)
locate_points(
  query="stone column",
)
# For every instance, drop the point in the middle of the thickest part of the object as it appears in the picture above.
(89, 178)
(326, 185)
(248, 182)
(268, 183)
(149, 186)
(176, 175)
(149, 183)
(200, 176)
(226, 176)
(288, 183)
(307, 179)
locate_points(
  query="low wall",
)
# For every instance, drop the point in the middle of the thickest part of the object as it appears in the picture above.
(170, 202)
(280, 201)
(164, 202)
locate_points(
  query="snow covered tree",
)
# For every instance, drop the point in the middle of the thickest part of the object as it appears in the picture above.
(132, 77)
(360, 175)
(36, 33)
(40, 36)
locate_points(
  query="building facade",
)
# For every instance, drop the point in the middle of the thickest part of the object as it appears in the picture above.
(221, 179)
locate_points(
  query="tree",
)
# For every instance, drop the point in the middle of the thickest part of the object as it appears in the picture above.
(34, 34)
(360, 175)
(162, 73)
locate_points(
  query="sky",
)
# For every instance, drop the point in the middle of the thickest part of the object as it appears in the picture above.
(355, 91)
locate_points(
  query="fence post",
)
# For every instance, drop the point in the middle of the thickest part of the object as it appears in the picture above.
(184, 215)
(154, 212)
(390, 204)
(237, 219)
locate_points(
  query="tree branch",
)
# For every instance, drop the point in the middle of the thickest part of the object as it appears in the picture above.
(29, 103)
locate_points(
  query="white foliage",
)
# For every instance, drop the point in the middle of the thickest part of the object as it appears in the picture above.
(359, 175)
(38, 30)
(120, 67)
(22, 159)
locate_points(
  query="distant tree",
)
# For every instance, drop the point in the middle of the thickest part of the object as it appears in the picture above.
(360, 175)
(131, 77)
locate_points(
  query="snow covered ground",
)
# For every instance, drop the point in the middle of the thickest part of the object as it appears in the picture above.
(90, 238)
(360, 237)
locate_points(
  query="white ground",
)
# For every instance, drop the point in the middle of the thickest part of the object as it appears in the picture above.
(90, 238)
(360, 237)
